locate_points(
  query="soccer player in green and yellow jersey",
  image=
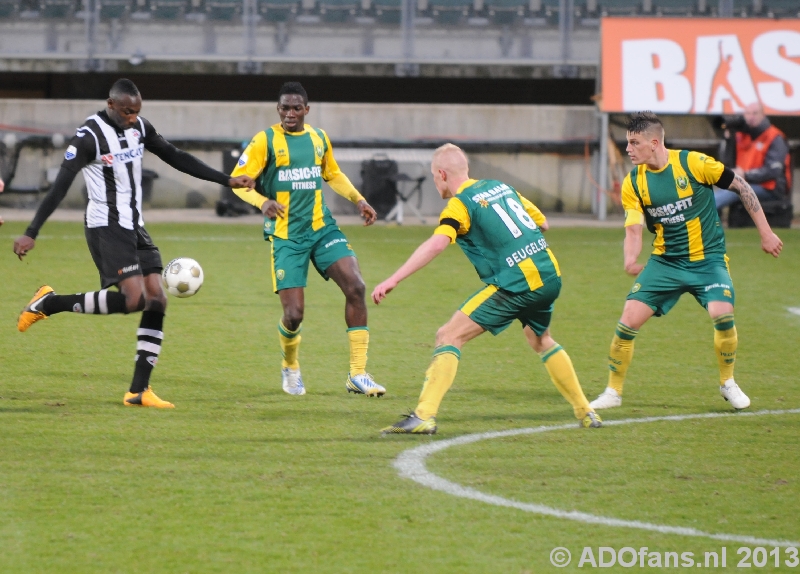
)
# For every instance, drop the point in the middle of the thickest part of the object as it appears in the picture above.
(500, 233)
(671, 192)
(290, 160)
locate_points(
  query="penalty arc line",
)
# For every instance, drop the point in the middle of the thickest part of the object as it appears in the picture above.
(411, 464)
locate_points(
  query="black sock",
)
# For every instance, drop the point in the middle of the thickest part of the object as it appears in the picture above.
(148, 346)
(102, 302)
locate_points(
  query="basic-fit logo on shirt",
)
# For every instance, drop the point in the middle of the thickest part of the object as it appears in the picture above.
(299, 173)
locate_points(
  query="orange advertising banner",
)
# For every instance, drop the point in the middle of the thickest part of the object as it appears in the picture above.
(700, 65)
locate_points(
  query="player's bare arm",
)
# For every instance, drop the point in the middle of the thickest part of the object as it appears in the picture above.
(632, 247)
(366, 211)
(770, 242)
(423, 255)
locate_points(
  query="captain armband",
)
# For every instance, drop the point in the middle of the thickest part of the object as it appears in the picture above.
(726, 179)
(451, 222)
(448, 227)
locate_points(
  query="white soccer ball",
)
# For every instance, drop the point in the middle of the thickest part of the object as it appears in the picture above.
(182, 277)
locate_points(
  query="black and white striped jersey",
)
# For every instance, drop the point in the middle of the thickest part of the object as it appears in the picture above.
(111, 161)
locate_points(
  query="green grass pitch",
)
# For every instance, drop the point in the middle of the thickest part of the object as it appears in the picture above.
(241, 477)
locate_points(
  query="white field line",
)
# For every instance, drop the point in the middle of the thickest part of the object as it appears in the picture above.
(794, 310)
(411, 464)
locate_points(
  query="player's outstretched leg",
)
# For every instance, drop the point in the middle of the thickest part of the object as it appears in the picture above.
(438, 380)
(725, 343)
(46, 302)
(559, 366)
(620, 356)
(359, 381)
(292, 380)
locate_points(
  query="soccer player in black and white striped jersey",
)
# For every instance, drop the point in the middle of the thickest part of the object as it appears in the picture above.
(108, 149)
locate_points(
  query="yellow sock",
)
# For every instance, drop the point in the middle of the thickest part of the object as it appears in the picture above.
(359, 342)
(725, 343)
(290, 345)
(562, 373)
(438, 379)
(620, 356)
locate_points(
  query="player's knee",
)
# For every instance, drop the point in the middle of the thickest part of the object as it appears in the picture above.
(355, 290)
(292, 317)
(445, 336)
(134, 302)
(157, 303)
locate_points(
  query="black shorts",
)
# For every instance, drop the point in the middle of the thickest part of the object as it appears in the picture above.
(120, 253)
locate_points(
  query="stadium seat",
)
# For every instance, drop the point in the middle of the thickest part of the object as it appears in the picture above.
(8, 8)
(57, 9)
(620, 7)
(450, 11)
(675, 7)
(168, 9)
(114, 9)
(388, 11)
(278, 10)
(223, 10)
(505, 11)
(782, 8)
(542, 7)
(338, 10)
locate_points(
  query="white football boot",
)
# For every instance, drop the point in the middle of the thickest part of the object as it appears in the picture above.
(731, 392)
(608, 399)
(363, 384)
(293, 382)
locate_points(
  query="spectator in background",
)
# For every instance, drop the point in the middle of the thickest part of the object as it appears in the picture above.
(762, 158)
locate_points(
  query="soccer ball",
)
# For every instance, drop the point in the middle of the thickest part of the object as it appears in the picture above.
(182, 277)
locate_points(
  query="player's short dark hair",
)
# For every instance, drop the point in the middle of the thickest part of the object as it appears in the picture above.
(641, 122)
(123, 87)
(293, 88)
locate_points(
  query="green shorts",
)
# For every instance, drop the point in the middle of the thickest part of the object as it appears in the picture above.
(662, 282)
(495, 309)
(290, 258)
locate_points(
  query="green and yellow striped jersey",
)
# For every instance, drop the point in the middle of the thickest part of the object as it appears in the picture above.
(498, 230)
(290, 167)
(677, 204)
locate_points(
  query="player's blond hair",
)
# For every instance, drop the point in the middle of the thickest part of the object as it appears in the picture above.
(450, 151)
